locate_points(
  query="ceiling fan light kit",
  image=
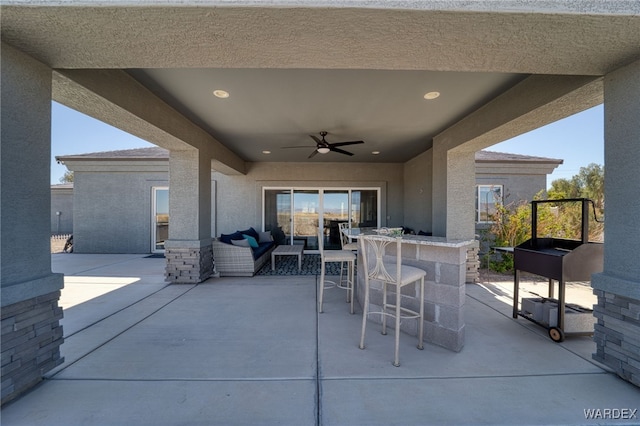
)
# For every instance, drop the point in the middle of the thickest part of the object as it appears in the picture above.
(324, 147)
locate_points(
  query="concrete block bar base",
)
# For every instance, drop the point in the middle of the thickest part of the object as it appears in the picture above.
(445, 263)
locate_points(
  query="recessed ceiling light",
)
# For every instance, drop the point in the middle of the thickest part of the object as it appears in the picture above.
(375, 152)
(221, 94)
(431, 95)
(266, 152)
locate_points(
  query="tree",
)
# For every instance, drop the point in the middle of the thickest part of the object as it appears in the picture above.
(67, 177)
(563, 188)
(588, 183)
(591, 182)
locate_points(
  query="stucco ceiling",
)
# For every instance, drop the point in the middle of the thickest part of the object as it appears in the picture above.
(270, 109)
(356, 70)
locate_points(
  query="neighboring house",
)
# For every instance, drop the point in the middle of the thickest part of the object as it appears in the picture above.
(121, 197)
(62, 208)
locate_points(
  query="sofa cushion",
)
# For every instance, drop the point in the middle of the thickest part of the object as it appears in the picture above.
(265, 237)
(252, 232)
(226, 238)
(252, 241)
(262, 249)
(240, 243)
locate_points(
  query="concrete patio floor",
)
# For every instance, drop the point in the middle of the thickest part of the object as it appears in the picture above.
(245, 351)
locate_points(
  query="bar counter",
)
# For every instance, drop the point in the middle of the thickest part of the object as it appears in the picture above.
(445, 263)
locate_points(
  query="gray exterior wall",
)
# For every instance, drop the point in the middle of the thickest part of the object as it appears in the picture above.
(521, 180)
(31, 330)
(239, 198)
(516, 188)
(417, 192)
(62, 203)
(112, 211)
(113, 202)
(112, 208)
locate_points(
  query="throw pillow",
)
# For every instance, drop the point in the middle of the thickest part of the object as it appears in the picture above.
(240, 243)
(265, 237)
(252, 241)
(227, 238)
(251, 232)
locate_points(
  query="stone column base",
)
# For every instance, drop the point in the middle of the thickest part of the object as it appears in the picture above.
(31, 339)
(617, 334)
(473, 263)
(188, 262)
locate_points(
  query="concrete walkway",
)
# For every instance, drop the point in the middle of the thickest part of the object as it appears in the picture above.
(245, 351)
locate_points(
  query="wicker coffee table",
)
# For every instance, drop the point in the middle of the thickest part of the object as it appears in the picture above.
(294, 250)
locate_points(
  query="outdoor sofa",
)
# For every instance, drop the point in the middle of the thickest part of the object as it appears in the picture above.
(234, 255)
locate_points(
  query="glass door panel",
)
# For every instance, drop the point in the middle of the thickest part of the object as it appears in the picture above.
(277, 214)
(335, 208)
(364, 208)
(306, 217)
(160, 232)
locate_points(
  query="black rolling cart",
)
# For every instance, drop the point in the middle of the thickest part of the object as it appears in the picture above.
(558, 260)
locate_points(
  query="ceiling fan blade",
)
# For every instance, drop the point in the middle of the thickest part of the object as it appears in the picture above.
(341, 151)
(346, 143)
(315, 138)
(315, 151)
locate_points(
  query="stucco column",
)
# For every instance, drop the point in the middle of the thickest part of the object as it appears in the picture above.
(453, 192)
(188, 250)
(617, 333)
(31, 331)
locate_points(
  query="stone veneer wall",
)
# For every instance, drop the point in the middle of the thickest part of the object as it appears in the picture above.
(473, 263)
(616, 334)
(31, 339)
(188, 265)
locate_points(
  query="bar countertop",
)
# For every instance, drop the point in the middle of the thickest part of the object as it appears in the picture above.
(415, 239)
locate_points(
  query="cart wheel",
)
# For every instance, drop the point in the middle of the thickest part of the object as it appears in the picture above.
(556, 334)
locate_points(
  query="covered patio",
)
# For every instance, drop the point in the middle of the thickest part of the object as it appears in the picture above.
(255, 351)
(504, 68)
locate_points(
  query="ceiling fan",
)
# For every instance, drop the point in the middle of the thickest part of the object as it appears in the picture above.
(323, 147)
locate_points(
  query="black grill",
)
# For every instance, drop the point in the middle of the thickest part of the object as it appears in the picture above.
(558, 259)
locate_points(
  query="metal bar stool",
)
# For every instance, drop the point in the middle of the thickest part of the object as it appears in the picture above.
(341, 256)
(373, 252)
(344, 239)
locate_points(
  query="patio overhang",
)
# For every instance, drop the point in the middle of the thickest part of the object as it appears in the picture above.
(502, 68)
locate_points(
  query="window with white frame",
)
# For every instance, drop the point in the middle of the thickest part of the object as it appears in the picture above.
(487, 198)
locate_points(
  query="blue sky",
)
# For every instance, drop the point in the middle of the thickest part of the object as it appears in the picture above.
(578, 140)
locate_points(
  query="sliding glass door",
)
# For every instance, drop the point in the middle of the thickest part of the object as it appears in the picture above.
(293, 215)
(335, 211)
(364, 208)
(306, 216)
(277, 214)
